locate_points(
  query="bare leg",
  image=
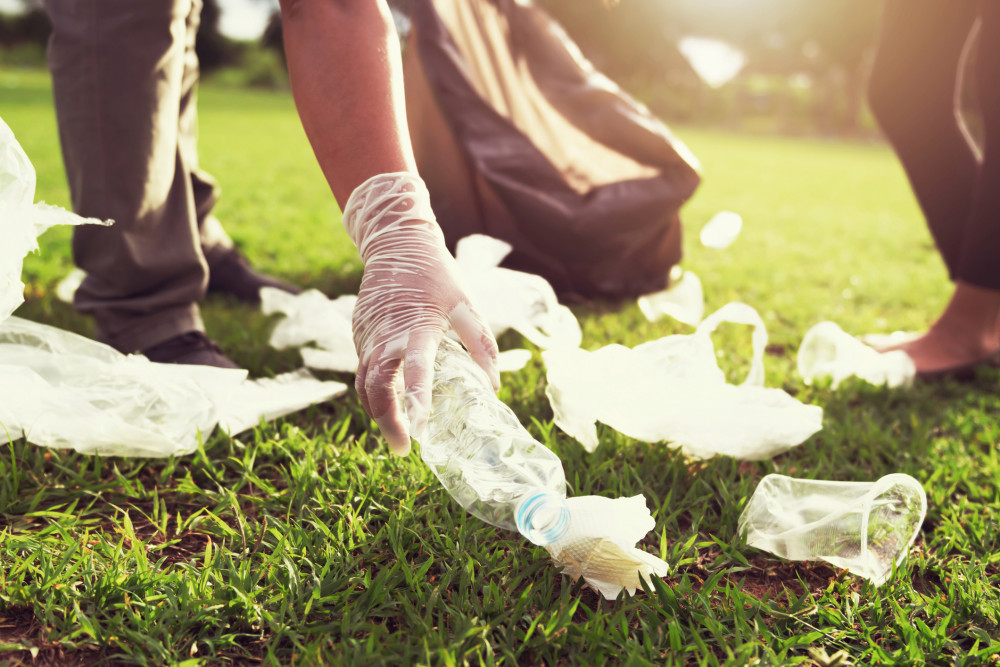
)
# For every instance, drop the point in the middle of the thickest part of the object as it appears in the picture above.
(918, 67)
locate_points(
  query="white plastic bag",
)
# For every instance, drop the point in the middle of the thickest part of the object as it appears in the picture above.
(21, 220)
(59, 389)
(673, 389)
(827, 351)
(514, 299)
(600, 544)
(311, 317)
(865, 527)
(720, 232)
(683, 300)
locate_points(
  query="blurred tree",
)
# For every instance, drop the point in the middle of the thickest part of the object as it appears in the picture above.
(29, 25)
(273, 38)
(828, 41)
(214, 49)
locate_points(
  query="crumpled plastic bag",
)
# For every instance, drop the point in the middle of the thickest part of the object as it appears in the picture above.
(877, 340)
(516, 300)
(673, 389)
(58, 389)
(827, 351)
(312, 318)
(865, 527)
(67, 287)
(600, 544)
(21, 220)
(683, 300)
(720, 232)
(510, 361)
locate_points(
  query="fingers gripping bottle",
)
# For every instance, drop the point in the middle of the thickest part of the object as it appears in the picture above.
(485, 458)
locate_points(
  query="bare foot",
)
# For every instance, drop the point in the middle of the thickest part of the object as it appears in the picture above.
(966, 334)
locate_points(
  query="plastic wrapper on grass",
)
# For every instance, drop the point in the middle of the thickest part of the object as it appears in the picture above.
(827, 351)
(21, 220)
(722, 230)
(513, 299)
(312, 318)
(58, 389)
(684, 300)
(864, 527)
(600, 544)
(672, 389)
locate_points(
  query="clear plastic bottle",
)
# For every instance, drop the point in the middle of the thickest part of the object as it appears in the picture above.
(485, 458)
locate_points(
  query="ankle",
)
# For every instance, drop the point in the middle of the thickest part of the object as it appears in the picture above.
(972, 317)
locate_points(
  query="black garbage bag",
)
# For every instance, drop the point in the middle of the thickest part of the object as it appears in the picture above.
(519, 137)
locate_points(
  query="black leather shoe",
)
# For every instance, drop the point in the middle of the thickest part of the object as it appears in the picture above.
(193, 347)
(229, 272)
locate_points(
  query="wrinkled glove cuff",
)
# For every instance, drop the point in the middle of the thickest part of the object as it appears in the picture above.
(384, 204)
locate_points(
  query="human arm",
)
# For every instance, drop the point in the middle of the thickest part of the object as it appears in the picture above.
(345, 71)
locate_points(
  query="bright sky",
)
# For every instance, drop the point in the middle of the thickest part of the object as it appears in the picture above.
(241, 19)
(715, 62)
(245, 19)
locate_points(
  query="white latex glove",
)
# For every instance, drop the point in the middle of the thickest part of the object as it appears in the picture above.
(410, 297)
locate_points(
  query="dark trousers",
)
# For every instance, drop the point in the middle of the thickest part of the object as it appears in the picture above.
(124, 77)
(922, 48)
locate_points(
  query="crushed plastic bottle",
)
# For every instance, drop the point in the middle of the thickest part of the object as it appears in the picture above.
(492, 466)
(485, 458)
(864, 527)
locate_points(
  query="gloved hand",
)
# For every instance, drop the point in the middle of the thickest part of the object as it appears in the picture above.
(410, 297)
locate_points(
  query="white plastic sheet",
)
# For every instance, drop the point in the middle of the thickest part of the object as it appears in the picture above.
(827, 351)
(312, 318)
(673, 389)
(865, 527)
(720, 232)
(600, 544)
(59, 389)
(66, 289)
(683, 300)
(514, 299)
(21, 220)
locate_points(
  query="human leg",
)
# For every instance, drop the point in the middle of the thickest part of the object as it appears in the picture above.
(980, 258)
(229, 272)
(968, 331)
(912, 92)
(117, 69)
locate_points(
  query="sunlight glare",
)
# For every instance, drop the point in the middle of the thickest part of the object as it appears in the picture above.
(715, 61)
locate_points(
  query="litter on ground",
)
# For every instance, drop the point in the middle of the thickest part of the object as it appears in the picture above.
(864, 527)
(672, 389)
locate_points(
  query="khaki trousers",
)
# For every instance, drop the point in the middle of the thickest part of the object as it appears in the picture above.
(124, 77)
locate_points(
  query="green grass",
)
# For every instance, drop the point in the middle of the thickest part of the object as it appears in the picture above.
(304, 542)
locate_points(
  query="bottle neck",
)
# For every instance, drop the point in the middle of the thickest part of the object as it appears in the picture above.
(542, 517)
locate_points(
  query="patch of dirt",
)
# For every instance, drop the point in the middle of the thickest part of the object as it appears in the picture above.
(776, 579)
(776, 349)
(19, 626)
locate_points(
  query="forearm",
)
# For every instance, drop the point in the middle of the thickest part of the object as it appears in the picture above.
(346, 77)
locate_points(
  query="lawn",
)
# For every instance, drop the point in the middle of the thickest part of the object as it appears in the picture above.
(305, 542)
